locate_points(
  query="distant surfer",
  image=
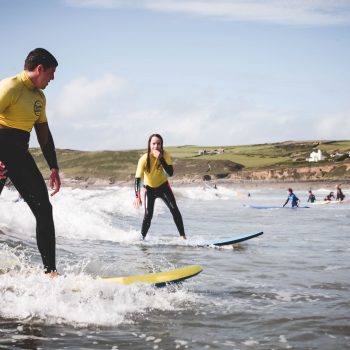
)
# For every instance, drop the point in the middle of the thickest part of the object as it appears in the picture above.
(329, 196)
(22, 106)
(155, 167)
(340, 194)
(312, 197)
(293, 198)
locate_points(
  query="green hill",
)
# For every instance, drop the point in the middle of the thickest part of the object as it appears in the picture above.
(197, 161)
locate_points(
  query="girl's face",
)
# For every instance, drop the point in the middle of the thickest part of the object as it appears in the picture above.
(156, 143)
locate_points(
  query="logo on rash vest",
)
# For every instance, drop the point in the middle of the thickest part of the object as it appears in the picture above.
(38, 106)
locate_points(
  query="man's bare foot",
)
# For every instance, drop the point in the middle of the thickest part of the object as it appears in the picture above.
(183, 237)
(53, 274)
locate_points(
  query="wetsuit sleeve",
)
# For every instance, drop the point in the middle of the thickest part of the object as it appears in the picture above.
(167, 167)
(286, 202)
(49, 152)
(137, 187)
(47, 145)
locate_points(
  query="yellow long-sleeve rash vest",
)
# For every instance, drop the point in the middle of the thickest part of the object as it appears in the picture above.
(21, 104)
(157, 175)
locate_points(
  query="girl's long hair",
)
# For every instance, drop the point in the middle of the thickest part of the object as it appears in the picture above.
(148, 164)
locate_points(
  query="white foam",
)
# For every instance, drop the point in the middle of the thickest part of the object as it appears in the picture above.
(251, 342)
(91, 214)
(10, 258)
(80, 300)
(205, 193)
(78, 214)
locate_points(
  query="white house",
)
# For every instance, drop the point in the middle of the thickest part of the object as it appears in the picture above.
(316, 156)
(203, 152)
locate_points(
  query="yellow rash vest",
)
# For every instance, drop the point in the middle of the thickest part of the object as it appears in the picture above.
(157, 175)
(21, 104)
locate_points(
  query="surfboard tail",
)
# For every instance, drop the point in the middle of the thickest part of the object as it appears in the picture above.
(233, 240)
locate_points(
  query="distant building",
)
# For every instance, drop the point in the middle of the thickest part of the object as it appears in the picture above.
(316, 156)
(203, 152)
(337, 154)
(340, 156)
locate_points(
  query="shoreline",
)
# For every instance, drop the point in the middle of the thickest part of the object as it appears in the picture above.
(187, 182)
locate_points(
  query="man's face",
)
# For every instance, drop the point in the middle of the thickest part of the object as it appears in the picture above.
(44, 76)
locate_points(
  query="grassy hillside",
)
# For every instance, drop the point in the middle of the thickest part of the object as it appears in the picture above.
(264, 155)
(121, 165)
(80, 165)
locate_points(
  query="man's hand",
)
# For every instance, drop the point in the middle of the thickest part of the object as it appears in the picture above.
(3, 171)
(55, 182)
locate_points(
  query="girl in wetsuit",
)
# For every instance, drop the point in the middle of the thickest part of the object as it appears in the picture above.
(154, 167)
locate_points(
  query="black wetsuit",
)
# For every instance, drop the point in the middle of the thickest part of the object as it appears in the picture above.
(2, 184)
(29, 182)
(340, 195)
(166, 194)
(311, 198)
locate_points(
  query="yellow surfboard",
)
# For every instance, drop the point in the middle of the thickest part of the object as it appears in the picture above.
(159, 279)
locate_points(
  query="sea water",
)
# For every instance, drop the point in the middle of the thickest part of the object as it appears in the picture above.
(287, 289)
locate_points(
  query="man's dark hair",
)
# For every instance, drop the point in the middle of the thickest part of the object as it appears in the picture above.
(39, 56)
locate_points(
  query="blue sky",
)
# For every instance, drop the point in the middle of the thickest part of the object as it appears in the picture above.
(225, 72)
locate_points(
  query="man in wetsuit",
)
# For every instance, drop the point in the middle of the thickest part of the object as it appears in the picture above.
(340, 194)
(22, 106)
(293, 198)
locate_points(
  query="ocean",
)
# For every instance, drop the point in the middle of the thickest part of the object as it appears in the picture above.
(287, 289)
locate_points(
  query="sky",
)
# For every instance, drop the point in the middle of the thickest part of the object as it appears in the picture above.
(198, 72)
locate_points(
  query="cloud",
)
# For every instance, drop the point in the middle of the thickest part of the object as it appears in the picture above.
(90, 99)
(96, 3)
(106, 113)
(291, 12)
(335, 124)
